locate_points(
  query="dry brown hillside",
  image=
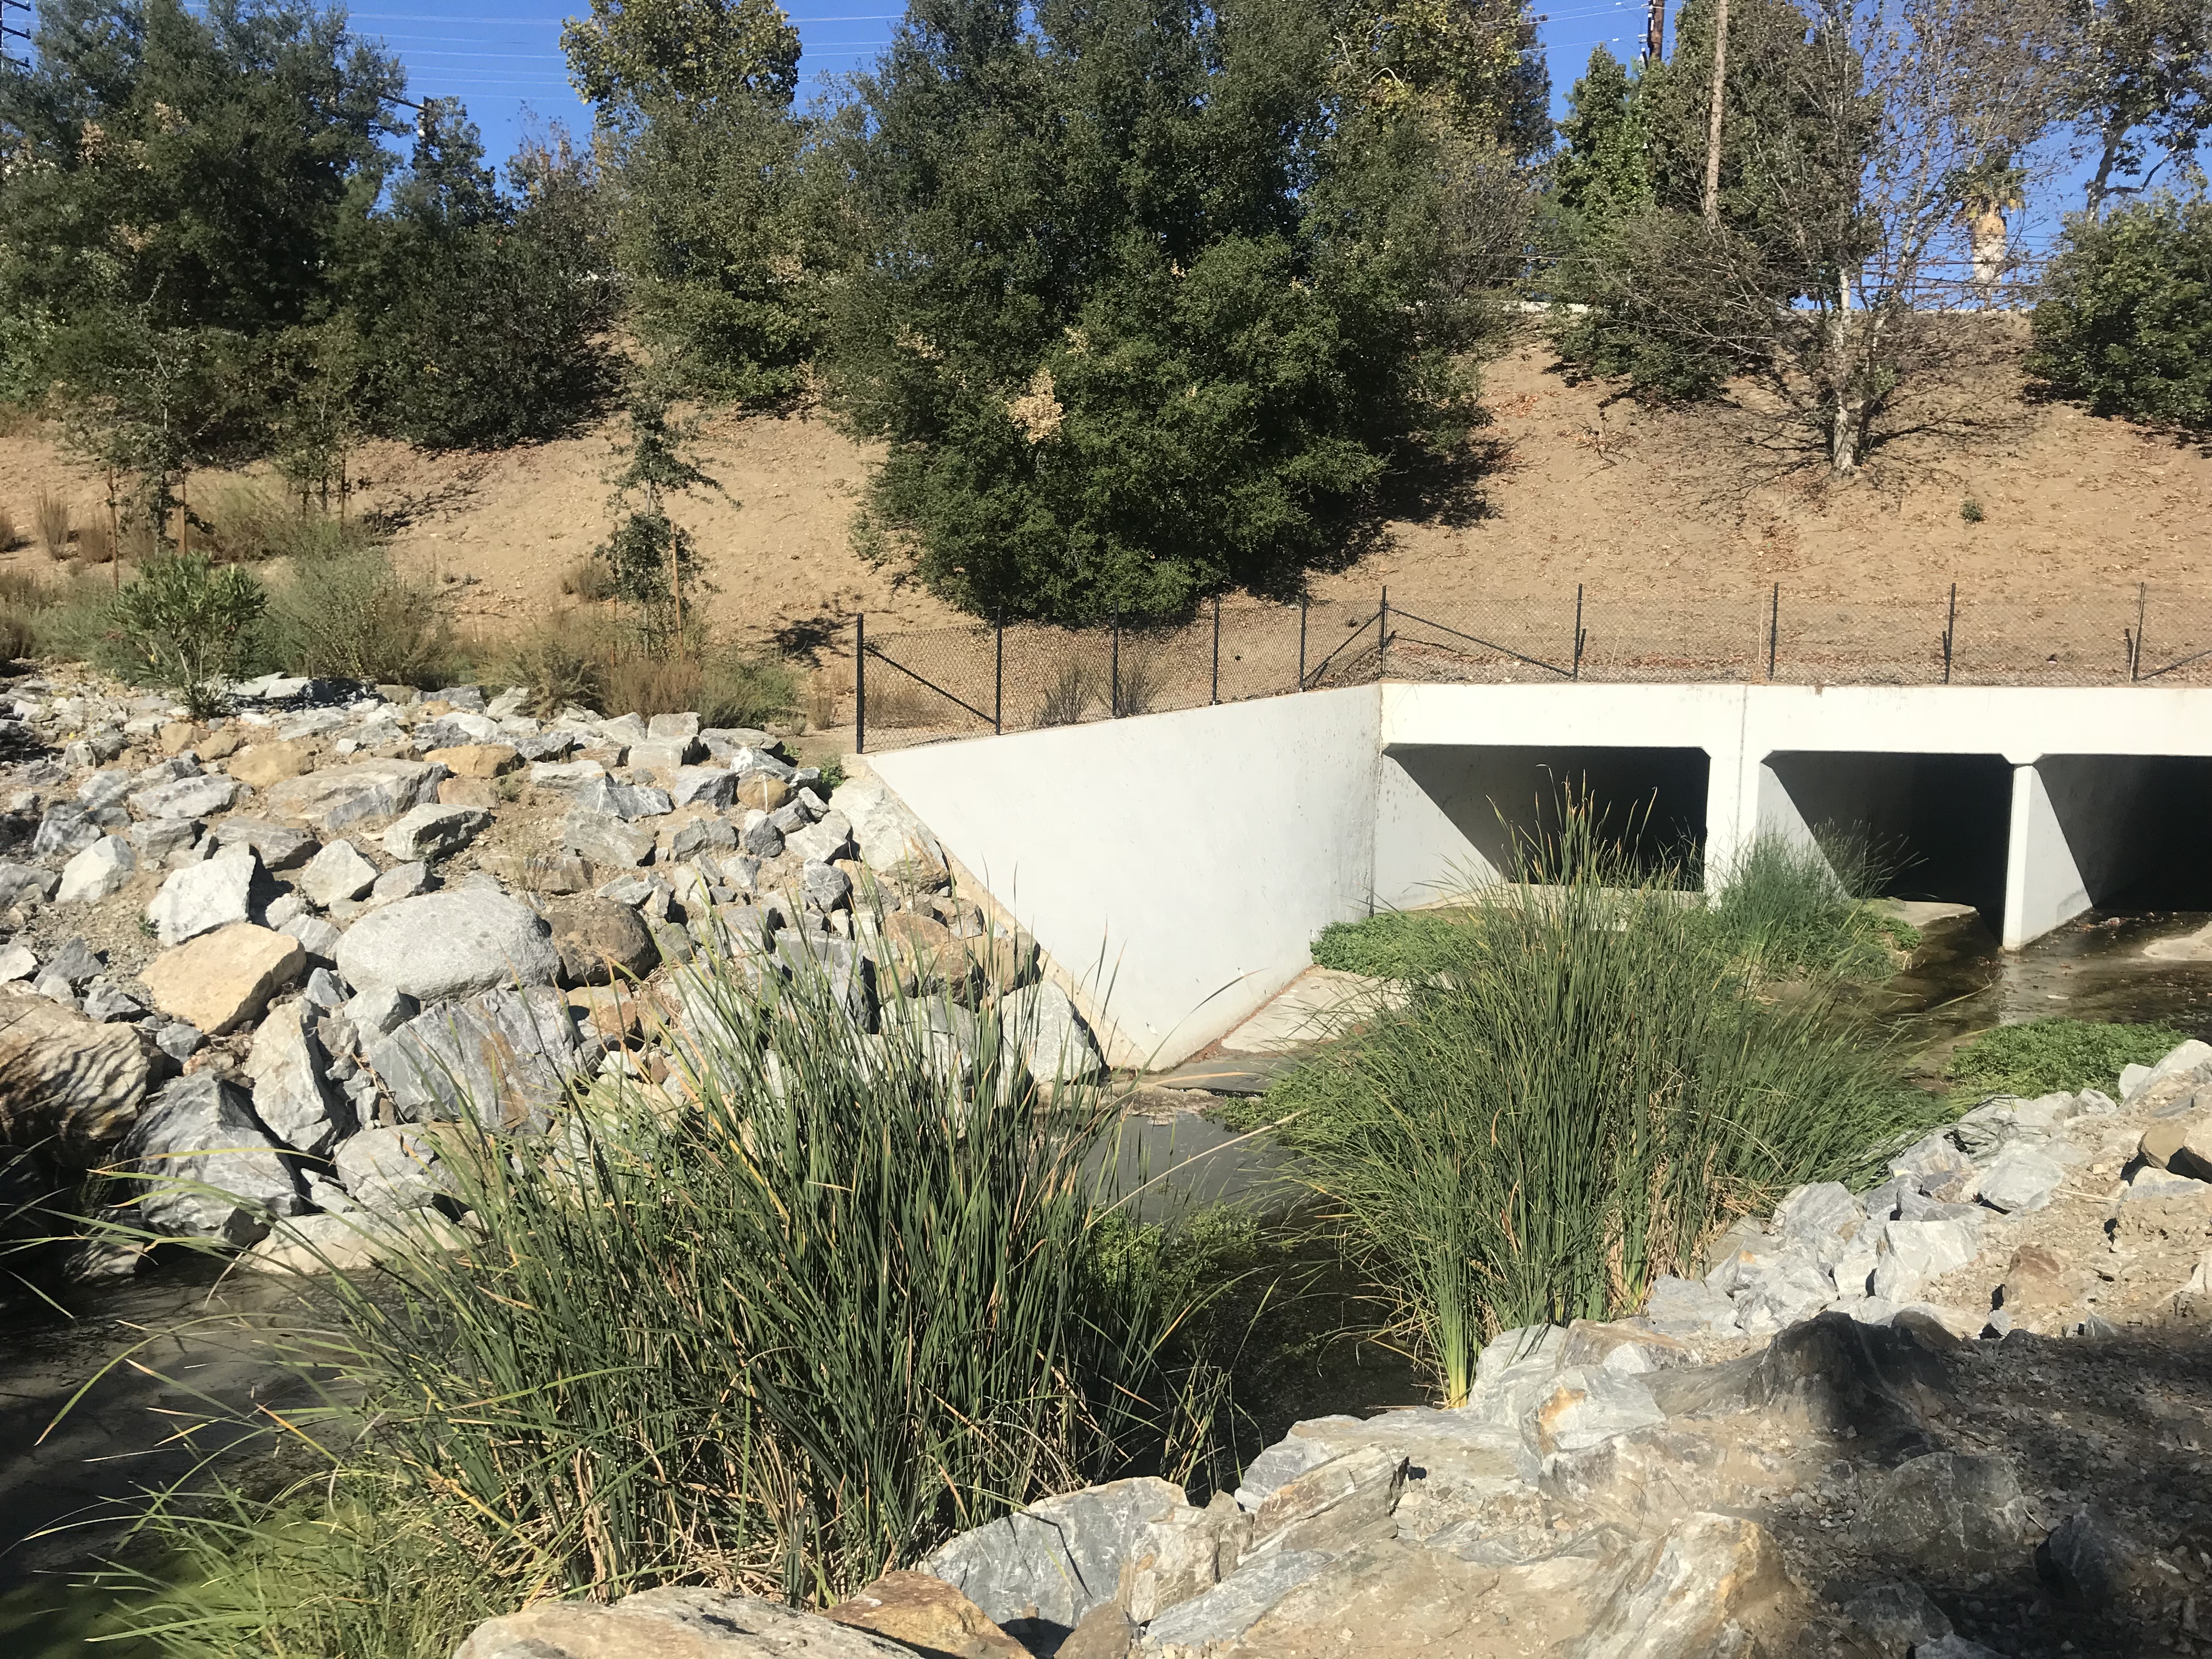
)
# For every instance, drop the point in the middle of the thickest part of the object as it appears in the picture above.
(1643, 508)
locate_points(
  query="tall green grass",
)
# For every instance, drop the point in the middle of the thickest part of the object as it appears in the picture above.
(1794, 909)
(825, 1302)
(1582, 1091)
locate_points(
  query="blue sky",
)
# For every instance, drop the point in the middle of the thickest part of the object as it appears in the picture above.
(503, 57)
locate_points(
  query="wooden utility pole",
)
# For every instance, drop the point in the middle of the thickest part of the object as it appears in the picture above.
(1655, 33)
(1713, 125)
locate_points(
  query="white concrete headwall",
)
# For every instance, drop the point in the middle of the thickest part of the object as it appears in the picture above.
(1178, 864)
(1181, 863)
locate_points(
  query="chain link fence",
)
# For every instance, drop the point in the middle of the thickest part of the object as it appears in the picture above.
(928, 685)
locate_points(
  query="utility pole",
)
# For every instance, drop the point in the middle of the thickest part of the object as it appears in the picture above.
(1655, 33)
(1713, 128)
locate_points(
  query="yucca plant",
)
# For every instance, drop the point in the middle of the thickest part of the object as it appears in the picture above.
(1578, 1090)
(821, 1300)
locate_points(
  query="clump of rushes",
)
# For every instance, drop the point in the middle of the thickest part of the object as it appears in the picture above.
(1791, 910)
(821, 1301)
(1580, 1092)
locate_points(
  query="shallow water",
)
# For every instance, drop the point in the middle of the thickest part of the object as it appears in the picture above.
(118, 1439)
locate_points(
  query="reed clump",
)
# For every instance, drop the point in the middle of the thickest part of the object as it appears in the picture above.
(818, 1303)
(1579, 1088)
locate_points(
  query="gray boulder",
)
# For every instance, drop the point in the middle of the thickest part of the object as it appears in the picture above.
(1955, 1512)
(389, 1170)
(605, 838)
(278, 846)
(67, 1082)
(1057, 1560)
(366, 791)
(287, 1065)
(206, 1167)
(704, 786)
(101, 869)
(675, 1624)
(435, 832)
(504, 1057)
(187, 797)
(1040, 1023)
(203, 897)
(623, 800)
(443, 946)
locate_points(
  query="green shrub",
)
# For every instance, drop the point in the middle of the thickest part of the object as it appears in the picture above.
(1580, 1094)
(1788, 909)
(2125, 319)
(351, 615)
(189, 626)
(835, 1306)
(1388, 944)
(2041, 1056)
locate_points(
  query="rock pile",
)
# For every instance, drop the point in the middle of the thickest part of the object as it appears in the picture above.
(270, 955)
(1964, 1414)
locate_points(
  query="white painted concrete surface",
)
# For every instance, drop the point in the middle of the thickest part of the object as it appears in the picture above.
(1183, 862)
(1179, 864)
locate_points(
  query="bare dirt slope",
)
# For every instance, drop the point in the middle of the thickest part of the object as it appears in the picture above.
(1649, 511)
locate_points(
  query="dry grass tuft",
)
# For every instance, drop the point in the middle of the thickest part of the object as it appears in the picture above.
(50, 517)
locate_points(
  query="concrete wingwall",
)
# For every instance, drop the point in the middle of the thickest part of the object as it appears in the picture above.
(1179, 864)
(1176, 865)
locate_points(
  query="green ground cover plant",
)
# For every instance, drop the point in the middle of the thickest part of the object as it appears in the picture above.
(1582, 1092)
(2040, 1056)
(837, 1304)
(1388, 944)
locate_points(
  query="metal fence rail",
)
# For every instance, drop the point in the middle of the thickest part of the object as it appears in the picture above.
(927, 685)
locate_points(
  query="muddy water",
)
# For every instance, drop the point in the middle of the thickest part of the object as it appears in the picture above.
(118, 1439)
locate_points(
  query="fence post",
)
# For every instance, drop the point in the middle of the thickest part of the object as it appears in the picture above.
(1950, 632)
(1383, 638)
(1301, 642)
(1117, 665)
(860, 682)
(1216, 696)
(999, 678)
(1774, 629)
(1577, 665)
(2135, 651)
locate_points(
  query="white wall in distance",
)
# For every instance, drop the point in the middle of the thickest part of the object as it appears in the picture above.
(1181, 862)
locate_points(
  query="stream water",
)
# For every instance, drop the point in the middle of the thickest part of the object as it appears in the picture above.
(182, 1353)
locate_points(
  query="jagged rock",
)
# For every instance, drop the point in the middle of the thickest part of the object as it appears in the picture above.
(401, 881)
(318, 938)
(538, 872)
(1703, 1590)
(221, 979)
(604, 838)
(1897, 1615)
(17, 963)
(278, 846)
(1588, 1405)
(760, 837)
(286, 1067)
(504, 1057)
(209, 1169)
(378, 1009)
(101, 869)
(664, 755)
(663, 728)
(477, 760)
(364, 792)
(623, 800)
(350, 1241)
(1205, 1624)
(105, 788)
(599, 939)
(203, 897)
(2086, 1559)
(673, 1623)
(434, 831)
(105, 1003)
(187, 797)
(826, 887)
(824, 843)
(1331, 1505)
(925, 1613)
(157, 839)
(65, 829)
(1950, 1510)
(448, 944)
(388, 1169)
(340, 872)
(1689, 1307)
(20, 881)
(1915, 1251)
(1052, 1041)
(702, 786)
(2021, 1181)
(1104, 1633)
(894, 843)
(66, 1081)
(762, 792)
(1057, 1560)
